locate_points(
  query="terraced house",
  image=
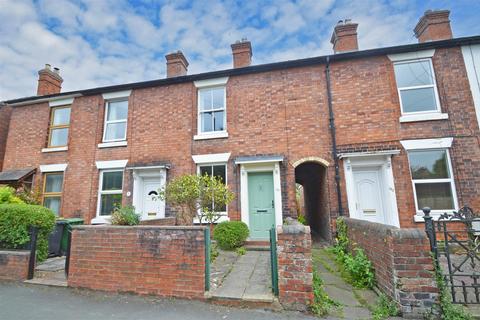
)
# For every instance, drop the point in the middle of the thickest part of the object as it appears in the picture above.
(374, 134)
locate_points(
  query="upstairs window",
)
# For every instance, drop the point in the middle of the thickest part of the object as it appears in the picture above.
(52, 191)
(59, 126)
(416, 85)
(211, 110)
(432, 179)
(116, 113)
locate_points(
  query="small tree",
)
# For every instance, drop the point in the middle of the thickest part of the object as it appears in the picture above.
(200, 196)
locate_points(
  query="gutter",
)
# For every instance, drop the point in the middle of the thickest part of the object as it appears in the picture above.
(331, 119)
(43, 99)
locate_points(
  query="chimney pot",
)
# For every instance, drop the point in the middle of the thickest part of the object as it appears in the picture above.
(177, 64)
(242, 53)
(49, 82)
(344, 37)
(433, 25)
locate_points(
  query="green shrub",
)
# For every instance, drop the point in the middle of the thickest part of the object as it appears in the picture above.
(7, 195)
(230, 234)
(125, 216)
(302, 219)
(360, 269)
(384, 308)
(241, 251)
(15, 222)
(322, 303)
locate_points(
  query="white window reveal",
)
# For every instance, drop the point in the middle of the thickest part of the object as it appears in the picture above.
(110, 191)
(211, 106)
(432, 180)
(416, 86)
(212, 109)
(115, 128)
(219, 171)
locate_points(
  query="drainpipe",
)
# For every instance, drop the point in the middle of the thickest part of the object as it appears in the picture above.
(334, 138)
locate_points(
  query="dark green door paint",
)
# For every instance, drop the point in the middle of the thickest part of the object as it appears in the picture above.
(261, 204)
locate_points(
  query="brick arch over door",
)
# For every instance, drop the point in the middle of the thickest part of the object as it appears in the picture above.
(318, 160)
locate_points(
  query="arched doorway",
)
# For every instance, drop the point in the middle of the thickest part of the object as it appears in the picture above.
(312, 193)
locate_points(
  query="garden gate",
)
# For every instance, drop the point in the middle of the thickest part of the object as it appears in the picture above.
(455, 244)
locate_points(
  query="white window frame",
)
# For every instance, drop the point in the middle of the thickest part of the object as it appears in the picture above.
(224, 109)
(106, 122)
(209, 84)
(434, 85)
(101, 218)
(427, 145)
(222, 213)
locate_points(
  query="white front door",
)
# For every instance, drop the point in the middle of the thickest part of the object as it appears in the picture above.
(368, 193)
(151, 202)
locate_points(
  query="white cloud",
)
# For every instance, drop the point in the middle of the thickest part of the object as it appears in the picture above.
(108, 42)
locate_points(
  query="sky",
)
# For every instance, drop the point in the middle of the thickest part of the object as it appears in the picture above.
(107, 42)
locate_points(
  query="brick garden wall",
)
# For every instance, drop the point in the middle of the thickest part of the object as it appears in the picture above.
(14, 264)
(402, 262)
(161, 261)
(295, 271)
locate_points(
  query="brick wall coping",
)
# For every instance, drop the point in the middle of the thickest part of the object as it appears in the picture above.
(14, 252)
(292, 226)
(138, 227)
(383, 229)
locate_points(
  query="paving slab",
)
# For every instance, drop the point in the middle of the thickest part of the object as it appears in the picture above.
(343, 296)
(52, 264)
(249, 279)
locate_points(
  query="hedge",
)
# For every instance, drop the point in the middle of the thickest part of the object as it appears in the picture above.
(15, 222)
(230, 234)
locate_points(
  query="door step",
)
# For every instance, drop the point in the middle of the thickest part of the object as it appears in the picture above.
(261, 301)
(256, 245)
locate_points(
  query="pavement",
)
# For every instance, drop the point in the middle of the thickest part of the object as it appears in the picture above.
(249, 279)
(30, 302)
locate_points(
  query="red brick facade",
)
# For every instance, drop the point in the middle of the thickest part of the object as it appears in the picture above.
(269, 112)
(14, 265)
(402, 261)
(161, 261)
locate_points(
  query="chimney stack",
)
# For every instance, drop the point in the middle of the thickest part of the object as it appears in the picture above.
(242, 53)
(344, 37)
(177, 64)
(434, 25)
(49, 82)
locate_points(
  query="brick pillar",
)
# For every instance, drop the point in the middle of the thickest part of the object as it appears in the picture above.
(295, 271)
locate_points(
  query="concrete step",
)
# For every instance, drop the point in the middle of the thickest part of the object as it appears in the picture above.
(260, 301)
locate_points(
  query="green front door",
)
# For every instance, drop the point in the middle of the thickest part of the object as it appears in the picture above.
(261, 205)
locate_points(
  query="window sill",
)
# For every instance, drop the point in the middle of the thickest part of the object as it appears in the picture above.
(214, 135)
(55, 149)
(102, 220)
(112, 144)
(423, 117)
(224, 217)
(435, 215)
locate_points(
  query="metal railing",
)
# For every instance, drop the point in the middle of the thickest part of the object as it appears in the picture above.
(273, 260)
